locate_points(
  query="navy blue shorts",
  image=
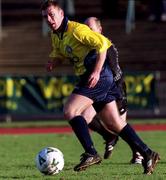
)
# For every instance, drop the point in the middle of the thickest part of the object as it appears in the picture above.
(104, 92)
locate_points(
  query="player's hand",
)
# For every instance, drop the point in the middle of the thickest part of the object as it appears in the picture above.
(93, 79)
(50, 66)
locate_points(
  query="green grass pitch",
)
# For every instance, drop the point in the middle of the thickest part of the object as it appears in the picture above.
(17, 154)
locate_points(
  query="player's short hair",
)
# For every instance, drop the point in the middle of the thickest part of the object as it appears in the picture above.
(48, 3)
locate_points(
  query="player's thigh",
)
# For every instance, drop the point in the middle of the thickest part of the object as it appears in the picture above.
(89, 114)
(75, 105)
(111, 118)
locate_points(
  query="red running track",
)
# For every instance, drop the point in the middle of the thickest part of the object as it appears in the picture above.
(61, 130)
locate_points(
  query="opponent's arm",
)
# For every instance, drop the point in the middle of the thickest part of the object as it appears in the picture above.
(113, 54)
(114, 62)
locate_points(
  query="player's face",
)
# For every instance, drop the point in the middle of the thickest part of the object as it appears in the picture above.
(54, 17)
(93, 25)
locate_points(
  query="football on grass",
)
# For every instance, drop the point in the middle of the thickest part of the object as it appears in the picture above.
(50, 161)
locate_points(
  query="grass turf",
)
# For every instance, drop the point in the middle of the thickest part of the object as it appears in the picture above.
(18, 153)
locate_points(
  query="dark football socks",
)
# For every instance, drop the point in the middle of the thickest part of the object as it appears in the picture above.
(96, 126)
(80, 128)
(129, 135)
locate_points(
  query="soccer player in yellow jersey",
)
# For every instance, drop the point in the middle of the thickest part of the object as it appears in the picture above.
(87, 51)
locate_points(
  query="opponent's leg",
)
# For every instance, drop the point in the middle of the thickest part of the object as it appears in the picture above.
(110, 138)
(96, 125)
(122, 107)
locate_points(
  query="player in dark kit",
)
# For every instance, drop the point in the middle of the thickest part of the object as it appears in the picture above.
(96, 124)
(87, 51)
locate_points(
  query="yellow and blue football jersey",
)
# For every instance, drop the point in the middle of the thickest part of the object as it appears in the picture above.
(75, 42)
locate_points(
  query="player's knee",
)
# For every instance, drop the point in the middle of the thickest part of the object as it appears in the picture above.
(69, 113)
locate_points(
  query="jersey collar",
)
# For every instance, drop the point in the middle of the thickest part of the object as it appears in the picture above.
(62, 28)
